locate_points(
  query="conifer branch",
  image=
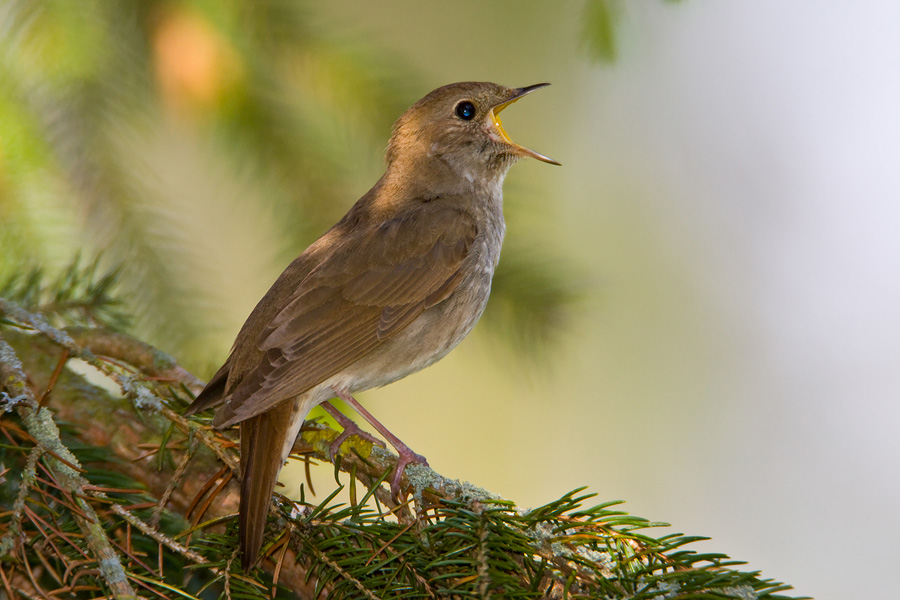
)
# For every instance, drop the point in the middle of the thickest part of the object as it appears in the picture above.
(450, 539)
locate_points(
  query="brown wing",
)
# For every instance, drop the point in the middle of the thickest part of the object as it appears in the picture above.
(364, 292)
(213, 393)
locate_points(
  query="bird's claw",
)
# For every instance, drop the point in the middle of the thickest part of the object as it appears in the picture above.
(406, 457)
(350, 430)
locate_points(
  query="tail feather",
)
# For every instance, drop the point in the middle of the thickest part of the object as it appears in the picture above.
(266, 441)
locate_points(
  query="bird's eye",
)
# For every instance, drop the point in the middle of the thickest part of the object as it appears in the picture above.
(465, 110)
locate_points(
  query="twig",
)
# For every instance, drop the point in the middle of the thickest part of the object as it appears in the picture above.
(8, 542)
(9, 592)
(484, 573)
(37, 587)
(59, 367)
(156, 535)
(191, 428)
(40, 523)
(344, 574)
(41, 427)
(176, 479)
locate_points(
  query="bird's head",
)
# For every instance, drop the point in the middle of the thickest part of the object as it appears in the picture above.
(459, 124)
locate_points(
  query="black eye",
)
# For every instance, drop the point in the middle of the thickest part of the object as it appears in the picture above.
(465, 110)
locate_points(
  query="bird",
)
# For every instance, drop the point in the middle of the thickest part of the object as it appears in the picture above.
(390, 289)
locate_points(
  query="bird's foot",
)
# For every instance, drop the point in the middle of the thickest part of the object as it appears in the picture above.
(349, 429)
(406, 457)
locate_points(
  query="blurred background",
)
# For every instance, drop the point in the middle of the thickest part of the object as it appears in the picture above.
(698, 313)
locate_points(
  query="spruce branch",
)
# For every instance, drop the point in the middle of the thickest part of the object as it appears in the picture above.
(155, 487)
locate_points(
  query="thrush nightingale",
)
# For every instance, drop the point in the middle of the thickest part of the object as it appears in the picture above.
(398, 282)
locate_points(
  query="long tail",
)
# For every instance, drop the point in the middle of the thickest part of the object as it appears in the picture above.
(266, 441)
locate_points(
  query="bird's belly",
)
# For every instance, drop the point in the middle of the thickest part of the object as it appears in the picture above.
(424, 341)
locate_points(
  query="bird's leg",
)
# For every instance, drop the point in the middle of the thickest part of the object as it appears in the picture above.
(407, 456)
(349, 428)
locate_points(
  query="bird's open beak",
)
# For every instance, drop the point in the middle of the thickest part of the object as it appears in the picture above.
(497, 126)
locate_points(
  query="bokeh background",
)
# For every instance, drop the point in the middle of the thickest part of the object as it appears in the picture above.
(698, 313)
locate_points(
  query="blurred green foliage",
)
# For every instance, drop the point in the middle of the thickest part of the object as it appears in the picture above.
(598, 32)
(79, 295)
(87, 84)
(264, 92)
(100, 99)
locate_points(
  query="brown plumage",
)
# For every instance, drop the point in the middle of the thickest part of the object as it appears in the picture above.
(390, 289)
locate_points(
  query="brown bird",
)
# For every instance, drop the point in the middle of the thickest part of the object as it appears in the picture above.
(395, 285)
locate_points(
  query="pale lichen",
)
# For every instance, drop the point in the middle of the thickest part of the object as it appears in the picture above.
(422, 478)
(140, 394)
(163, 361)
(8, 403)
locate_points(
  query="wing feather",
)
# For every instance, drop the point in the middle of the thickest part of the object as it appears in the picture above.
(350, 303)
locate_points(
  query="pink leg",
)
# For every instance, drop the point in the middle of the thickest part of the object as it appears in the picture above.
(407, 456)
(349, 428)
